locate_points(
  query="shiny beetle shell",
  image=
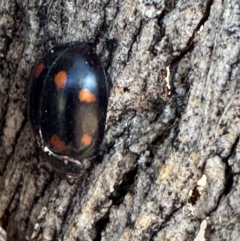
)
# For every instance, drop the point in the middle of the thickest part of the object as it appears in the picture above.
(68, 102)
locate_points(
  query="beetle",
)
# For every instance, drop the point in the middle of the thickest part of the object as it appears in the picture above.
(67, 102)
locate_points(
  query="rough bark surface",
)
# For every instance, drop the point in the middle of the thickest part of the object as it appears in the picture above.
(159, 141)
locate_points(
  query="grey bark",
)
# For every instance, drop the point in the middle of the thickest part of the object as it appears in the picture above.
(159, 141)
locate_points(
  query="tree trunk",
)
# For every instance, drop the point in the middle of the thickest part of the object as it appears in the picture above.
(171, 154)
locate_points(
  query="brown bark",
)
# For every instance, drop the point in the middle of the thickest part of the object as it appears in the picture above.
(158, 142)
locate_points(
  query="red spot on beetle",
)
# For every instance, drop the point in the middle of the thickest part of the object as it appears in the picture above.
(57, 143)
(60, 79)
(86, 96)
(38, 70)
(86, 140)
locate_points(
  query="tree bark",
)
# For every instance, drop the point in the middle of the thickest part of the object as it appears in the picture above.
(173, 119)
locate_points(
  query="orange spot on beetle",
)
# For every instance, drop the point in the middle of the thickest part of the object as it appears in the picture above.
(38, 70)
(86, 140)
(86, 96)
(57, 143)
(60, 79)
